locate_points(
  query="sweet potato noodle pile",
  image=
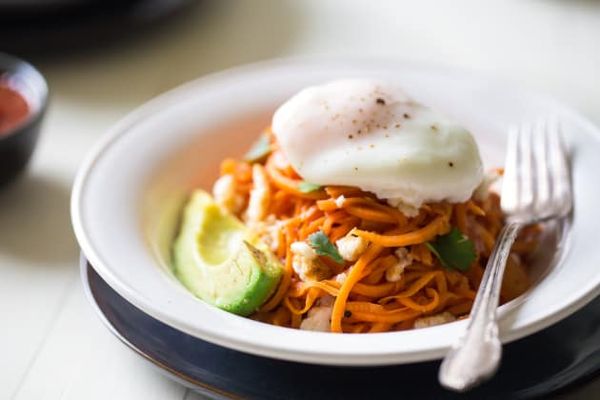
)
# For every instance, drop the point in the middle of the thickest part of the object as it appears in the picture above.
(392, 277)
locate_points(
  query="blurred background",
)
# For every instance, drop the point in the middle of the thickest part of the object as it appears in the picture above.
(104, 58)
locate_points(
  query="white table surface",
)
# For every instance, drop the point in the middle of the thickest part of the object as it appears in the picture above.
(52, 345)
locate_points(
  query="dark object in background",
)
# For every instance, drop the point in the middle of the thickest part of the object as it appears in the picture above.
(18, 140)
(51, 27)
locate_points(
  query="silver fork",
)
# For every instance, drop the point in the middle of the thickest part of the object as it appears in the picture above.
(536, 187)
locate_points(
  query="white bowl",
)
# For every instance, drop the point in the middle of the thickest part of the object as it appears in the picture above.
(130, 189)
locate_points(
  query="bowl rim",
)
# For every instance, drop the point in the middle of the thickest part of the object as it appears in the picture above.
(13, 66)
(569, 305)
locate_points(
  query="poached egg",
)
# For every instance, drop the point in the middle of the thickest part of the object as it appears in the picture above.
(371, 135)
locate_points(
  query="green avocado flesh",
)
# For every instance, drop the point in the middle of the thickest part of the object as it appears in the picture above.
(219, 260)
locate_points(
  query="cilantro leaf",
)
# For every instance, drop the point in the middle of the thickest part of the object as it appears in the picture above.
(454, 250)
(259, 150)
(307, 187)
(323, 247)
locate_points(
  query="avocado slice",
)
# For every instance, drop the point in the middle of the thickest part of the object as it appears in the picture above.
(220, 260)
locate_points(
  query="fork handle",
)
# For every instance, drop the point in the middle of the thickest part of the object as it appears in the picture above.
(476, 355)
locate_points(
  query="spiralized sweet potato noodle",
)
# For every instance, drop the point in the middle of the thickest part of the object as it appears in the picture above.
(365, 301)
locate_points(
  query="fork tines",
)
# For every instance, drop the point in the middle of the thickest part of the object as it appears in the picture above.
(536, 179)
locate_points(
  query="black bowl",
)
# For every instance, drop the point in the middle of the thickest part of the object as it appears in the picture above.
(17, 145)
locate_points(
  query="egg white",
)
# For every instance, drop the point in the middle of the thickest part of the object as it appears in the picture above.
(370, 134)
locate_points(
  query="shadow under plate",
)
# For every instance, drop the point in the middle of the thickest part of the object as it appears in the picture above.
(542, 364)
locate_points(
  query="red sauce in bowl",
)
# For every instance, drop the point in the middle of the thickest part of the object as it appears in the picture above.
(13, 108)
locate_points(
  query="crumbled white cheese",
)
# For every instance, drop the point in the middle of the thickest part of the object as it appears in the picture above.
(304, 250)
(306, 265)
(318, 319)
(273, 227)
(341, 277)
(437, 319)
(260, 195)
(339, 201)
(351, 246)
(300, 266)
(225, 194)
(408, 210)
(268, 230)
(394, 272)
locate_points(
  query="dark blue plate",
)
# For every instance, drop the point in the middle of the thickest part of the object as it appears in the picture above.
(545, 363)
